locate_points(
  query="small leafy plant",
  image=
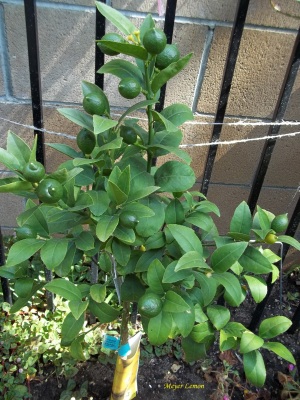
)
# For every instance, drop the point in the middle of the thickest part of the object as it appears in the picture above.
(149, 236)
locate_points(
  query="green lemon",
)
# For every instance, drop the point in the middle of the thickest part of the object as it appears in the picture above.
(49, 191)
(129, 88)
(154, 41)
(150, 305)
(280, 223)
(33, 171)
(169, 55)
(271, 238)
(128, 134)
(112, 37)
(128, 220)
(25, 232)
(86, 141)
(95, 103)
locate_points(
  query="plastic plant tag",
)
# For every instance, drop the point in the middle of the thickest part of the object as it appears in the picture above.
(124, 350)
(110, 342)
(125, 377)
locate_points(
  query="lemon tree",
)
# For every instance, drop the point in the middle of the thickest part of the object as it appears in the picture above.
(149, 236)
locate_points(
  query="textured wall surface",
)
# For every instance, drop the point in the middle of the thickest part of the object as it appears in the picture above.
(66, 40)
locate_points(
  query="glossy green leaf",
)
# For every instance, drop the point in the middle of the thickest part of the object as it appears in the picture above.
(191, 259)
(257, 286)
(103, 311)
(206, 206)
(102, 124)
(208, 287)
(155, 241)
(146, 259)
(201, 332)
(174, 212)
(166, 123)
(193, 351)
(250, 342)
(253, 261)
(98, 292)
(280, 350)
(135, 107)
(178, 114)
(151, 225)
(166, 74)
(218, 315)
(78, 117)
(132, 288)
(23, 287)
(106, 226)
(273, 326)
(263, 217)
(182, 154)
(227, 342)
(16, 187)
(174, 303)
(173, 176)
(18, 148)
(100, 202)
(185, 321)
(112, 145)
(132, 50)
(224, 257)
(23, 250)
(54, 251)
(70, 328)
(170, 276)
(121, 252)
(64, 149)
(201, 220)
(289, 240)
(64, 288)
(147, 24)
(186, 238)
(139, 209)
(234, 329)
(155, 276)
(241, 221)
(232, 287)
(254, 368)
(122, 69)
(76, 350)
(159, 328)
(9, 160)
(64, 268)
(125, 235)
(78, 307)
(116, 18)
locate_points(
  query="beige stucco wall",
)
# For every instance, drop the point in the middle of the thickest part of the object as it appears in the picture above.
(66, 33)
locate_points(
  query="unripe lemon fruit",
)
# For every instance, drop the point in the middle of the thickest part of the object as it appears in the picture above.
(150, 305)
(112, 37)
(169, 55)
(154, 41)
(129, 88)
(86, 141)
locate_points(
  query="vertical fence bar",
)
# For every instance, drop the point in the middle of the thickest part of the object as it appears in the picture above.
(36, 97)
(4, 282)
(168, 29)
(278, 115)
(235, 40)
(35, 76)
(99, 56)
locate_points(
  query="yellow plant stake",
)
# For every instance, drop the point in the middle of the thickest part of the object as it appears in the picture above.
(125, 377)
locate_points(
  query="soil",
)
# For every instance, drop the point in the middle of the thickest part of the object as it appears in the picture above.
(169, 378)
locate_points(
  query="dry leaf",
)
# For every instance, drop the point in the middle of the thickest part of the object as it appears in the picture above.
(228, 356)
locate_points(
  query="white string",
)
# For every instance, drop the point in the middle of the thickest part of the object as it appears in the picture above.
(207, 144)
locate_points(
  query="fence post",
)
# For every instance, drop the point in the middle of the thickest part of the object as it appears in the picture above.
(36, 98)
(4, 282)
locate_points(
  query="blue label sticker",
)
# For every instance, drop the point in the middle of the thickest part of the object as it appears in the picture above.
(124, 350)
(110, 342)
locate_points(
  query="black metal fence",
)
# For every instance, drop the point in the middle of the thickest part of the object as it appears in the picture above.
(233, 51)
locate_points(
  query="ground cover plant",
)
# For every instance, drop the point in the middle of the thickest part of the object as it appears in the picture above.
(137, 224)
